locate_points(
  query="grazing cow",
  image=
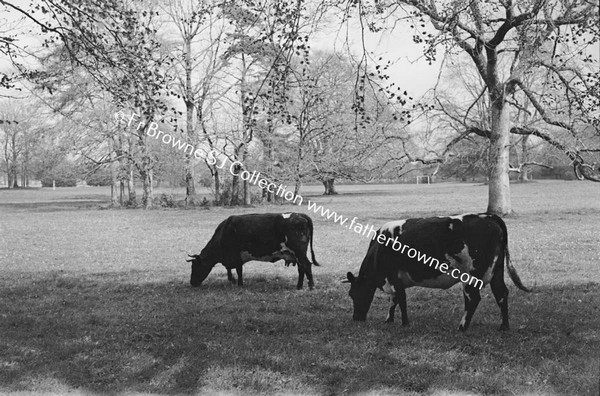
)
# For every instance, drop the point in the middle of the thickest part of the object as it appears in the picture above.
(262, 237)
(476, 244)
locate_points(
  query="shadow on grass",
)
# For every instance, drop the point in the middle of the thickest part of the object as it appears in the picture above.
(99, 333)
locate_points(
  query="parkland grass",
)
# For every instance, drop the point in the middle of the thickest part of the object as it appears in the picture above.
(98, 301)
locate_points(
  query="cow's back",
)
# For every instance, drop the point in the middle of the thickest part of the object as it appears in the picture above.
(468, 242)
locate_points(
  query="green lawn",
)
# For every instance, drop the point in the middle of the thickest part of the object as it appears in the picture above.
(98, 300)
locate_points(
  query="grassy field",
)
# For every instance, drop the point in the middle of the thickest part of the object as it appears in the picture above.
(98, 301)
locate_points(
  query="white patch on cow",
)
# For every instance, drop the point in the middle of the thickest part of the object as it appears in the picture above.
(501, 300)
(450, 226)
(463, 321)
(286, 215)
(284, 254)
(456, 217)
(441, 281)
(389, 288)
(489, 272)
(392, 225)
(463, 261)
(484, 216)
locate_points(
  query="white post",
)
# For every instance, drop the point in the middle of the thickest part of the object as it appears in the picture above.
(53, 185)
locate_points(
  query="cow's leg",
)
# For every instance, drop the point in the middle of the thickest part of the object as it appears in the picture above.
(234, 262)
(300, 277)
(472, 298)
(238, 270)
(304, 262)
(230, 277)
(303, 270)
(501, 294)
(392, 310)
(399, 298)
(309, 276)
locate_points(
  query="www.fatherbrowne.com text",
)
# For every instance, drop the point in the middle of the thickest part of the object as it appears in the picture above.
(236, 168)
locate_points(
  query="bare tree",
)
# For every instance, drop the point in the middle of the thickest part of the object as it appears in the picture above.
(329, 144)
(18, 137)
(505, 41)
(268, 37)
(201, 33)
(115, 44)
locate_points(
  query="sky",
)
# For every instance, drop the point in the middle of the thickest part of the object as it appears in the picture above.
(409, 71)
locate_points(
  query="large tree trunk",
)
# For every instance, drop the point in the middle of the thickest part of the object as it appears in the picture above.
(26, 159)
(114, 186)
(297, 178)
(247, 125)
(7, 161)
(14, 166)
(270, 157)
(190, 186)
(131, 186)
(131, 180)
(329, 187)
(217, 181)
(235, 191)
(15, 175)
(499, 186)
(297, 186)
(247, 191)
(146, 175)
(24, 173)
(114, 174)
(525, 151)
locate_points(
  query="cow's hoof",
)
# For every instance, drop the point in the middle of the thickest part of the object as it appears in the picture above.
(504, 327)
(298, 287)
(406, 324)
(389, 320)
(462, 328)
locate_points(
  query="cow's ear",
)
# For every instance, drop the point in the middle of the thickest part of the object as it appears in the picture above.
(350, 277)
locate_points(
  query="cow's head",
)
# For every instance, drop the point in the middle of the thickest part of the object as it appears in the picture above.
(200, 269)
(362, 293)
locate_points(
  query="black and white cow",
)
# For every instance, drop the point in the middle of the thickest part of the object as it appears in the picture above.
(476, 244)
(261, 237)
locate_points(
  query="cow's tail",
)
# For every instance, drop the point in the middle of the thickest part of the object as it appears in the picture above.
(512, 272)
(312, 251)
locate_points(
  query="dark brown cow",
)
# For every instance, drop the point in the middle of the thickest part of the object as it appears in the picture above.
(261, 237)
